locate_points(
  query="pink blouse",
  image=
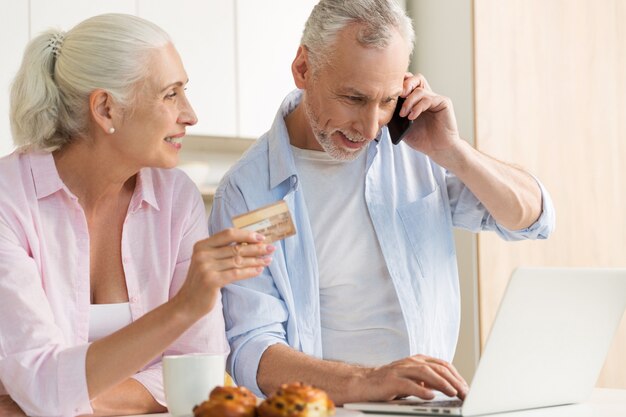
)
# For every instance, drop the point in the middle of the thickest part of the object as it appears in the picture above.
(44, 278)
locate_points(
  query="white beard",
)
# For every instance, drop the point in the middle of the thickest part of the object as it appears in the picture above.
(327, 143)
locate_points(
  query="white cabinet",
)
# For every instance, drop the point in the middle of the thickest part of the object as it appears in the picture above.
(237, 53)
(204, 34)
(238, 56)
(65, 14)
(268, 35)
(13, 40)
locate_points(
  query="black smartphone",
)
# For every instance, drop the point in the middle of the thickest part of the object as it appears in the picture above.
(398, 125)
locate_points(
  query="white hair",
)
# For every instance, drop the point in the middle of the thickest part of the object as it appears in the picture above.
(378, 19)
(50, 93)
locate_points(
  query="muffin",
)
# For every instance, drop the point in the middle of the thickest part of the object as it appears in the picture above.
(297, 400)
(228, 402)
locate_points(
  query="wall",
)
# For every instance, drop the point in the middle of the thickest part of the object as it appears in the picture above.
(540, 84)
(551, 96)
(13, 38)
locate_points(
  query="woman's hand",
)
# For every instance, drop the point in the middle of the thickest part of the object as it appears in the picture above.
(228, 256)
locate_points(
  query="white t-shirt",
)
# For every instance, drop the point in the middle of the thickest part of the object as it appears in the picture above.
(105, 319)
(361, 318)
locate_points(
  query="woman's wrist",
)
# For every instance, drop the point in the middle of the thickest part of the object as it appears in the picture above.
(188, 310)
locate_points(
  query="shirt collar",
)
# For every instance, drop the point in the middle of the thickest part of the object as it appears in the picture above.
(47, 181)
(45, 175)
(281, 163)
(144, 191)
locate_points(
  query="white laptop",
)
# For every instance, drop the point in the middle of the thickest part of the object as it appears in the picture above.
(548, 343)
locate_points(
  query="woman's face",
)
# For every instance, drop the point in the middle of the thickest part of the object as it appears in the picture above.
(150, 132)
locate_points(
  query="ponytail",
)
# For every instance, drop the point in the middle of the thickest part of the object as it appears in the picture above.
(50, 94)
(35, 97)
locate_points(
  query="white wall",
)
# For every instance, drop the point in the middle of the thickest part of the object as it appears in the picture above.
(14, 33)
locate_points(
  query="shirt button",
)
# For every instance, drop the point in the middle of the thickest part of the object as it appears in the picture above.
(133, 299)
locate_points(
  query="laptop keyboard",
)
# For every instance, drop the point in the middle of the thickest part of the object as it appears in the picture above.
(437, 403)
(444, 403)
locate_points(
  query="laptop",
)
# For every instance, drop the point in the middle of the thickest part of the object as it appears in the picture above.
(550, 338)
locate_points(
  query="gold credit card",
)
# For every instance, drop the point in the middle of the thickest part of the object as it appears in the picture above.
(272, 221)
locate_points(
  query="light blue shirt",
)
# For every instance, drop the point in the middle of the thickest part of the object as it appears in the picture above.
(413, 204)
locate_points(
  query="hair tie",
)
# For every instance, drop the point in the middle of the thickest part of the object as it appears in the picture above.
(55, 42)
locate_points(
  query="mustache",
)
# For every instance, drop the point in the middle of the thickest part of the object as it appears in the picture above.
(354, 137)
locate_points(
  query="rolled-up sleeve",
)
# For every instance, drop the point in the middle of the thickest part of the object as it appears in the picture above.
(39, 370)
(470, 214)
(254, 321)
(247, 352)
(152, 379)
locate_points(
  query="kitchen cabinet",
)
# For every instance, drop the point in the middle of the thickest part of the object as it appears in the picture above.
(238, 56)
(204, 34)
(65, 14)
(268, 36)
(237, 53)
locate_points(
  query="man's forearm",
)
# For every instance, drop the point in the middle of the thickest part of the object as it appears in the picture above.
(282, 364)
(511, 195)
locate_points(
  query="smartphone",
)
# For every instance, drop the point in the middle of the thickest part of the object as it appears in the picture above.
(398, 125)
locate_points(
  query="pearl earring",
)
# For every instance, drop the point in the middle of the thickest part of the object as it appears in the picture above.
(111, 130)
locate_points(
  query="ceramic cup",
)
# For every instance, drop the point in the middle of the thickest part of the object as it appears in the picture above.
(188, 380)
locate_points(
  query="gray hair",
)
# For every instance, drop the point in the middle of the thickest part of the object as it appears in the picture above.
(50, 93)
(378, 18)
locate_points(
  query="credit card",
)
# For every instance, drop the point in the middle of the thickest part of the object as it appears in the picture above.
(272, 221)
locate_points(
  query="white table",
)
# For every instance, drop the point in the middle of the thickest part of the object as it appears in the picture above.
(603, 403)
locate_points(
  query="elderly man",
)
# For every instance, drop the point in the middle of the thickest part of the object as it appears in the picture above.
(364, 300)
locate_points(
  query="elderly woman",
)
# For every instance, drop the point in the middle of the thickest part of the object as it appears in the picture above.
(105, 262)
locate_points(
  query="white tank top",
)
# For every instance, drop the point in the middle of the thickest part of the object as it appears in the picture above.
(361, 319)
(105, 319)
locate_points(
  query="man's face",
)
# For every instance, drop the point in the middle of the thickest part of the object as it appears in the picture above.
(348, 100)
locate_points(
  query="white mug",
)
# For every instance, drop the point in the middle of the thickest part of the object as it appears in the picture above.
(188, 380)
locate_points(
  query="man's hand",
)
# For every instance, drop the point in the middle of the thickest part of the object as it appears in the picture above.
(8, 407)
(434, 126)
(417, 375)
